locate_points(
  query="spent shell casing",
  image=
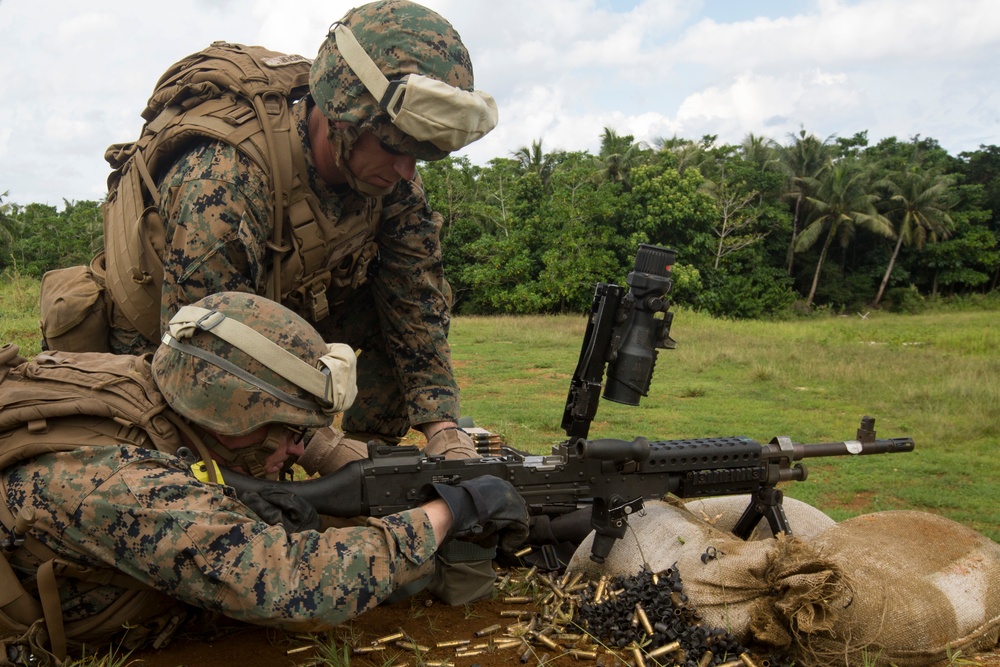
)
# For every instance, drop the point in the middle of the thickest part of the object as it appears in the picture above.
(705, 659)
(583, 655)
(745, 657)
(388, 638)
(643, 619)
(471, 651)
(545, 641)
(412, 646)
(523, 552)
(489, 630)
(526, 656)
(663, 650)
(453, 642)
(514, 613)
(544, 658)
(300, 649)
(361, 650)
(599, 591)
(637, 656)
(439, 663)
(531, 573)
(516, 599)
(732, 663)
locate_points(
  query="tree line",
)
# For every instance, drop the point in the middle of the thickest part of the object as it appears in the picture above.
(761, 228)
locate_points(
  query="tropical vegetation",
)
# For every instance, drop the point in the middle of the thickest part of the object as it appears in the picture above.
(761, 228)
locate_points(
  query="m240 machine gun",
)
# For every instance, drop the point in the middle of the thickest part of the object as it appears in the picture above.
(625, 329)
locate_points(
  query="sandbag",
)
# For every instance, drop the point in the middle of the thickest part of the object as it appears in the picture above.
(896, 588)
(923, 587)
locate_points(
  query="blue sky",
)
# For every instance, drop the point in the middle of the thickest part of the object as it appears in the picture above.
(74, 75)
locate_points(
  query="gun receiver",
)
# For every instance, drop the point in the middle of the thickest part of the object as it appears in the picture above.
(612, 477)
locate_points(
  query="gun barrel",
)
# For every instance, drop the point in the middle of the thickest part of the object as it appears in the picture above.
(842, 448)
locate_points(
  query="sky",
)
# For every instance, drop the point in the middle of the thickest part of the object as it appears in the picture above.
(75, 75)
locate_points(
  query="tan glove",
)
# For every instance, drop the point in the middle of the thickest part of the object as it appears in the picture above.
(451, 443)
(328, 451)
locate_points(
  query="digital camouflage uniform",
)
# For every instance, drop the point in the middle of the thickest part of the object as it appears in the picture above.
(142, 512)
(215, 204)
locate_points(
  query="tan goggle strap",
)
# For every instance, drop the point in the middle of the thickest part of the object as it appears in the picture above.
(424, 108)
(332, 382)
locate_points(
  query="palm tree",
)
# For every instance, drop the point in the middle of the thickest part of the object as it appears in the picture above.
(804, 160)
(919, 207)
(687, 153)
(618, 155)
(843, 202)
(534, 159)
(762, 152)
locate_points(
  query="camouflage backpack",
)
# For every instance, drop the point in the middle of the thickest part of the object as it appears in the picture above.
(60, 386)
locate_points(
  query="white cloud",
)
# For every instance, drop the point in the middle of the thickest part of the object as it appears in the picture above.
(74, 76)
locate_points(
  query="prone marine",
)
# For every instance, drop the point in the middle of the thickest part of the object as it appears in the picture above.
(113, 535)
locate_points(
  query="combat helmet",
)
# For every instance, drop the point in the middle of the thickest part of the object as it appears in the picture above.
(233, 362)
(401, 71)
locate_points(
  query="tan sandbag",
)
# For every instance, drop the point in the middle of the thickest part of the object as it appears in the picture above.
(924, 587)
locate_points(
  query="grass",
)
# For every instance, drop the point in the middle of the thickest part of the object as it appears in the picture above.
(934, 377)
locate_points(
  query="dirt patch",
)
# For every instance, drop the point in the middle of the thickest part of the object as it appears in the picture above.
(424, 621)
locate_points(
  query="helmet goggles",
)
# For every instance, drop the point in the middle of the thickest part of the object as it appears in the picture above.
(421, 110)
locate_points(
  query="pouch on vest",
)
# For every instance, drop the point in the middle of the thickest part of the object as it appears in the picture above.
(75, 310)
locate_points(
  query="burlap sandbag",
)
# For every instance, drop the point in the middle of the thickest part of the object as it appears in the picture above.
(727, 580)
(924, 587)
(900, 588)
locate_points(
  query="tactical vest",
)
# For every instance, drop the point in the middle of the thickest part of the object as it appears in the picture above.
(58, 391)
(240, 95)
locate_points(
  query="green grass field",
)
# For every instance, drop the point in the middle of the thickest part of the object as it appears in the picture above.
(933, 377)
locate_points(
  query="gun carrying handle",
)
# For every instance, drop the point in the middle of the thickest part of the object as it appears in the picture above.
(613, 450)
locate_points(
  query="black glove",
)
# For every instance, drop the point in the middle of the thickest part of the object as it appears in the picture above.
(485, 510)
(277, 506)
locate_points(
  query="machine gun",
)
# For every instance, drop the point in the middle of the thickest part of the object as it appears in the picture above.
(612, 477)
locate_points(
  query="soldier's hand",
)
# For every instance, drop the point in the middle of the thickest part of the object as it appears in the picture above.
(328, 451)
(485, 510)
(281, 507)
(451, 443)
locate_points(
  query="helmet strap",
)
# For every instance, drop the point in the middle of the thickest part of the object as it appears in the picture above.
(252, 458)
